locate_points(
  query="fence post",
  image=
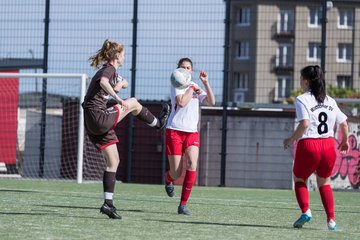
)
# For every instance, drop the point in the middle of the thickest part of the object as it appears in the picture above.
(225, 93)
(44, 91)
(323, 33)
(132, 91)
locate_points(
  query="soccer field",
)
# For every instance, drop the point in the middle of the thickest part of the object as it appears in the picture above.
(66, 210)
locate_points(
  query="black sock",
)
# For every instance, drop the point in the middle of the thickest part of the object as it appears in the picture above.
(146, 116)
(109, 179)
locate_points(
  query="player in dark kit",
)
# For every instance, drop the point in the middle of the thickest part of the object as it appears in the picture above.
(100, 119)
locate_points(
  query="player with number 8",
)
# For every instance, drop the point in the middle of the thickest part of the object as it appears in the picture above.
(317, 114)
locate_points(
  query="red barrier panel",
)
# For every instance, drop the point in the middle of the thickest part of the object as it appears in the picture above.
(9, 91)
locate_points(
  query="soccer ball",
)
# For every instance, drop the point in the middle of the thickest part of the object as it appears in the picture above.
(180, 78)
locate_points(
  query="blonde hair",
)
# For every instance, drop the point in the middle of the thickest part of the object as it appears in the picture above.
(108, 52)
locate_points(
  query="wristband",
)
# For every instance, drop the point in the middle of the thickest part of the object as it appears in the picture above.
(192, 87)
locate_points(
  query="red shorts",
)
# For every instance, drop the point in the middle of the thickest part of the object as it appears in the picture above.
(314, 155)
(176, 141)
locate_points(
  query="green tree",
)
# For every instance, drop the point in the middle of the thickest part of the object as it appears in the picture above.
(332, 91)
(337, 92)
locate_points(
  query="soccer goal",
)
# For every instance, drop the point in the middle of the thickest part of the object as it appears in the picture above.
(41, 125)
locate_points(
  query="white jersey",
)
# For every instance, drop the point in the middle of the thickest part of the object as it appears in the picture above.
(185, 118)
(322, 117)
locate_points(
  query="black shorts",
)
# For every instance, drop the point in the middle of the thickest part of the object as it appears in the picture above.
(100, 125)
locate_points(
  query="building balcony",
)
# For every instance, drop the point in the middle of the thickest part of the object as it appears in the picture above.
(282, 33)
(279, 66)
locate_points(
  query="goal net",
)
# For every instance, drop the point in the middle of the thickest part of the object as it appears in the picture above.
(41, 125)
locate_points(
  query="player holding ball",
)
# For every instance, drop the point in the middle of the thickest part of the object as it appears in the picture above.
(182, 137)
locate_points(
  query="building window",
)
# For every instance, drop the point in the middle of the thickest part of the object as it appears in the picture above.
(283, 88)
(284, 55)
(243, 17)
(239, 95)
(314, 18)
(343, 81)
(285, 23)
(344, 52)
(314, 52)
(243, 50)
(241, 80)
(345, 19)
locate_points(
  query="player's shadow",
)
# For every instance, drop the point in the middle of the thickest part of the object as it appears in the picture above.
(65, 206)
(225, 224)
(274, 207)
(24, 213)
(290, 208)
(18, 190)
(49, 213)
(95, 208)
(41, 192)
(44, 211)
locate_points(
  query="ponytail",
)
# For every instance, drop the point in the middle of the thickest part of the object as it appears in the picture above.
(315, 76)
(108, 52)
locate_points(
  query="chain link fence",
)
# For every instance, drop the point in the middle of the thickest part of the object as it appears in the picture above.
(258, 46)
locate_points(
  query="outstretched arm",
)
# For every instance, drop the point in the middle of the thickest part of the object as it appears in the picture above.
(210, 98)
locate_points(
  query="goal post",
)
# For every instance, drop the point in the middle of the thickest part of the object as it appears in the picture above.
(58, 85)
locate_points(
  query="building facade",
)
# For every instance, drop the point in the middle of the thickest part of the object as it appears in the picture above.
(270, 41)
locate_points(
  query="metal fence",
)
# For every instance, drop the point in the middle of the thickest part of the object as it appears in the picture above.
(259, 47)
(252, 50)
(156, 34)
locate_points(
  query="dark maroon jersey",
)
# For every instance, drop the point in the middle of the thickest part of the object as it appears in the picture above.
(96, 97)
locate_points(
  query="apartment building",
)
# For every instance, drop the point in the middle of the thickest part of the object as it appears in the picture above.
(270, 41)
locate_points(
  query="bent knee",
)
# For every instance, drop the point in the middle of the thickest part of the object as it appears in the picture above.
(296, 179)
(175, 174)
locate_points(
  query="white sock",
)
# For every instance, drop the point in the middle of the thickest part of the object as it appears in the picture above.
(108, 195)
(153, 124)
